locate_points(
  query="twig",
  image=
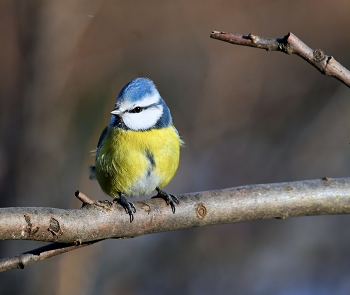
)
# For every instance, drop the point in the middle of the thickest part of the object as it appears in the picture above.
(83, 198)
(246, 203)
(48, 251)
(290, 44)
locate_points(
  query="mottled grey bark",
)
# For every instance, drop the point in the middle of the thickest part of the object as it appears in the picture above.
(96, 221)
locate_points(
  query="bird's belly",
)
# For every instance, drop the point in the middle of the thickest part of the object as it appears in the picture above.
(135, 163)
(127, 173)
(144, 185)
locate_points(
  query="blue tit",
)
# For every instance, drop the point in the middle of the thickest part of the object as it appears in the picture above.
(139, 150)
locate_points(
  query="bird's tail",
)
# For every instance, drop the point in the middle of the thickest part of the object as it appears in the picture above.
(92, 173)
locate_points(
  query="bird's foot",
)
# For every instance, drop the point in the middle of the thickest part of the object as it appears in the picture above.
(128, 206)
(168, 198)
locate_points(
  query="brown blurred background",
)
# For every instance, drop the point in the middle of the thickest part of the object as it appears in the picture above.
(247, 116)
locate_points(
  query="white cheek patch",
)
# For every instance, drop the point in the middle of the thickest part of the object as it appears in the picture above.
(143, 120)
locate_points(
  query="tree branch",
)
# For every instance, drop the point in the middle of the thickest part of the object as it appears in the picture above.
(290, 44)
(27, 258)
(98, 220)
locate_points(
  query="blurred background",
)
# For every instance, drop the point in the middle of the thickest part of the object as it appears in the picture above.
(247, 116)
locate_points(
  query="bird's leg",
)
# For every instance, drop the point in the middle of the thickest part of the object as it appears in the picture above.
(168, 198)
(128, 206)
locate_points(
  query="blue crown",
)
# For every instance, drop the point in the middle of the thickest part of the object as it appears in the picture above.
(137, 89)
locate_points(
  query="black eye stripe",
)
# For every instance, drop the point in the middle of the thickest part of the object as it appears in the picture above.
(136, 110)
(140, 109)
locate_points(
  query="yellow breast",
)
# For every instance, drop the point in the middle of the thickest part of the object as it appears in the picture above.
(136, 162)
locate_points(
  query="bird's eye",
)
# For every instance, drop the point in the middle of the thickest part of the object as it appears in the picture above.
(136, 110)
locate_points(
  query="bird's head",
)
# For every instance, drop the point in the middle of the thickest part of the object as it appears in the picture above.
(140, 107)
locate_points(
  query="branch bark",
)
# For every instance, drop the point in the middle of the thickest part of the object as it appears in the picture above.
(290, 44)
(98, 220)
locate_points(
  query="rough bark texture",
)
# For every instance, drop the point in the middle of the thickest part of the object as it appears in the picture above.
(246, 203)
(95, 220)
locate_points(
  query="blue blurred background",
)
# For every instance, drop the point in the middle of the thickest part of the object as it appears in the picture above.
(247, 116)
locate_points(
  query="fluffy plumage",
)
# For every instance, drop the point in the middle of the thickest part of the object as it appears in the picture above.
(139, 150)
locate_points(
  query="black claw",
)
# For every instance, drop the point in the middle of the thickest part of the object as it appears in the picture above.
(168, 198)
(133, 206)
(129, 207)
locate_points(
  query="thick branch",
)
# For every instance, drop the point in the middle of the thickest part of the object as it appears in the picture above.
(103, 220)
(290, 44)
(246, 203)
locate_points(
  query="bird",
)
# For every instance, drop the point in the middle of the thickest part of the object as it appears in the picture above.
(139, 150)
